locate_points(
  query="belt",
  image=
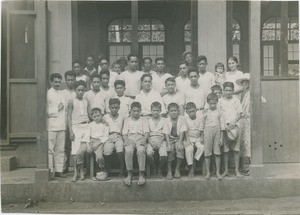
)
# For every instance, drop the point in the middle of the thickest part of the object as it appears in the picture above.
(84, 122)
(115, 133)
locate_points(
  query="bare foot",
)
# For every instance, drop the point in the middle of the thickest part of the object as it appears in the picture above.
(141, 180)
(225, 173)
(177, 173)
(148, 171)
(121, 175)
(127, 181)
(74, 178)
(207, 176)
(219, 176)
(159, 174)
(191, 174)
(169, 175)
(238, 174)
(94, 179)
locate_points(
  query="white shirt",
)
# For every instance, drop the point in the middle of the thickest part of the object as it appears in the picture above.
(177, 98)
(206, 80)
(125, 103)
(158, 82)
(196, 95)
(193, 127)
(113, 76)
(132, 81)
(233, 77)
(56, 119)
(146, 99)
(230, 108)
(182, 83)
(68, 94)
(98, 131)
(90, 96)
(102, 97)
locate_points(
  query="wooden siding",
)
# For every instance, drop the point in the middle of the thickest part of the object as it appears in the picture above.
(280, 121)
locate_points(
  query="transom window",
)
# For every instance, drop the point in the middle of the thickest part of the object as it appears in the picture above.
(188, 36)
(236, 39)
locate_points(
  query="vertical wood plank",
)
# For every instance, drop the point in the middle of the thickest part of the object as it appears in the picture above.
(194, 26)
(229, 18)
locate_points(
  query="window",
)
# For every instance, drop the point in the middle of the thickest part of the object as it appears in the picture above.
(151, 38)
(271, 37)
(188, 36)
(236, 39)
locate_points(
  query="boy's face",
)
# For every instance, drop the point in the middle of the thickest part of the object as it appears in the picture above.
(218, 93)
(120, 89)
(202, 66)
(56, 83)
(132, 63)
(170, 85)
(228, 92)
(147, 83)
(105, 80)
(104, 64)
(193, 76)
(173, 112)
(80, 91)
(232, 64)
(97, 116)
(212, 104)
(160, 65)
(183, 69)
(77, 68)
(155, 112)
(220, 70)
(135, 112)
(96, 83)
(70, 80)
(147, 64)
(117, 68)
(189, 58)
(245, 85)
(191, 112)
(90, 62)
(114, 108)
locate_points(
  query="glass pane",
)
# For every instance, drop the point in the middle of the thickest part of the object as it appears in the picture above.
(278, 35)
(158, 36)
(23, 5)
(22, 48)
(296, 55)
(112, 36)
(127, 50)
(266, 64)
(146, 50)
(290, 47)
(126, 25)
(119, 50)
(112, 50)
(160, 50)
(290, 55)
(271, 51)
(271, 63)
(295, 34)
(187, 36)
(296, 47)
(268, 35)
(144, 36)
(188, 48)
(126, 36)
(112, 59)
(235, 49)
(269, 24)
(152, 50)
(144, 24)
(293, 69)
(157, 24)
(265, 51)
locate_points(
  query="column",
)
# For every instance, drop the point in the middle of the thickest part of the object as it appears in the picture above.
(134, 23)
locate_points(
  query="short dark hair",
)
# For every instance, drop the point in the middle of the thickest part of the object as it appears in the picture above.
(55, 75)
(147, 58)
(193, 69)
(104, 72)
(228, 84)
(159, 58)
(79, 83)
(212, 96)
(171, 79)
(173, 104)
(216, 87)
(95, 75)
(136, 104)
(114, 101)
(145, 76)
(76, 61)
(182, 62)
(219, 64)
(103, 58)
(155, 105)
(131, 55)
(94, 110)
(69, 73)
(234, 58)
(190, 105)
(119, 82)
(202, 57)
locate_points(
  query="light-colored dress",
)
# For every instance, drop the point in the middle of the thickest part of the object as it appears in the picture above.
(245, 149)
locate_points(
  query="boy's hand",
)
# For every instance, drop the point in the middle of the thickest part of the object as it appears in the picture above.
(72, 135)
(202, 140)
(231, 126)
(60, 106)
(179, 145)
(105, 122)
(168, 148)
(126, 143)
(221, 141)
(89, 148)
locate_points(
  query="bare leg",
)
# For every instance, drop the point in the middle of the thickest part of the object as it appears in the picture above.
(237, 162)
(127, 180)
(192, 169)
(162, 162)
(218, 164)
(81, 173)
(142, 179)
(75, 170)
(169, 174)
(225, 164)
(122, 164)
(177, 169)
(150, 166)
(207, 165)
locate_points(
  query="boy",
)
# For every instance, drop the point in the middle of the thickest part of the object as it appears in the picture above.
(104, 65)
(231, 109)
(135, 135)
(147, 66)
(182, 80)
(206, 79)
(116, 67)
(219, 73)
(217, 89)
(172, 96)
(91, 94)
(56, 107)
(177, 129)
(115, 141)
(98, 136)
(89, 69)
(158, 132)
(80, 74)
(125, 101)
(147, 96)
(192, 143)
(212, 128)
(78, 124)
(132, 77)
(69, 94)
(160, 76)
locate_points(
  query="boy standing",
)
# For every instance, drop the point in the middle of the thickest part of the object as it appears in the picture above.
(115, 141)
(89, 69)
(135, 134)
(104, 65)
(147, 66)
(175, 147)
(182, 81)
(91, 94)
(206, 79)
(160, 76)
(56, 104)
(156, 143)
(80, 75)
(212, 128)
(78, 124)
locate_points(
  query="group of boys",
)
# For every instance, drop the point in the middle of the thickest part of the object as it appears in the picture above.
(151, 113)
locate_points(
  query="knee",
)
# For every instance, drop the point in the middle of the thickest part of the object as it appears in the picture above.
(141, 151)
(129, 150)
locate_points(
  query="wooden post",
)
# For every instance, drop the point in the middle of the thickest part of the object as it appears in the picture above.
(194, 27)
(229, 18)
(284, 38)
(75, 32)
(135, 24)
(255, 89)
(42, 172)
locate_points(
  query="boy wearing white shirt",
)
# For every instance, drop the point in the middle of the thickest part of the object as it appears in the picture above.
(206, 79)
(56, 104)
(182, 81)
(160, 76)
(91, 94)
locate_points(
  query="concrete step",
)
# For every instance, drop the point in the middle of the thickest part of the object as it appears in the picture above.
(8, 163)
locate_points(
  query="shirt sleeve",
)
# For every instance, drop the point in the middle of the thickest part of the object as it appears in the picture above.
(222, 121)
(52, 106)
(202, 120)
(125, 129)
(105, 134)
(166, 129)
(238, 106)
(183, 126)
(160, 100)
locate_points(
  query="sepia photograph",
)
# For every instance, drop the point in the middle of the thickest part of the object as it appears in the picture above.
(150, 107)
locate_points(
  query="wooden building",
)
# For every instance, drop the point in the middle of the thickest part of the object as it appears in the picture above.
(41, 37)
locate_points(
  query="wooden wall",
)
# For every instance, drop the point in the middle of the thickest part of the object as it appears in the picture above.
(281, 141)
